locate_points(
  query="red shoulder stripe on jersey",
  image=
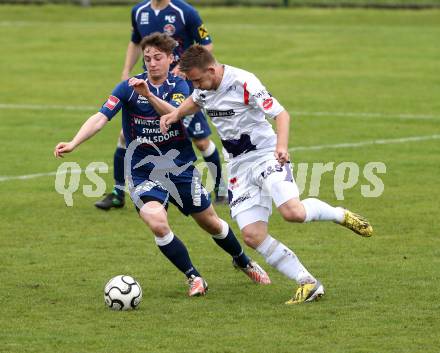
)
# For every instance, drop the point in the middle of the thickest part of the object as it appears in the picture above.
(245, 94)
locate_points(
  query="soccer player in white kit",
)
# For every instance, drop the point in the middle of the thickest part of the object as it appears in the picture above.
(258, 162)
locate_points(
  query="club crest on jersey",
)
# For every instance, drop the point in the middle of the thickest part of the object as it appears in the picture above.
(112, 102)
(267, 104)
(170, 18)
(169, 29)
(178, 98)
(203, 32)
(144, 18)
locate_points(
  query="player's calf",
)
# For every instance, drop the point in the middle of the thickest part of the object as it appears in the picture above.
(293, 211)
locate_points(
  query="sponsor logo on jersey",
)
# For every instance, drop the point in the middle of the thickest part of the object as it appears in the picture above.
(240, 199)
(112, 102)
(261, 94)
(233, 183)
(187, 120)
(169, 29)
(220, 113)
(203, 32)
(197, 191)
(267, 104)
(147, 186)
(271, 169)
(170, 18)
(178, 97)
(142, 100)
(144, 18)
(198, 129)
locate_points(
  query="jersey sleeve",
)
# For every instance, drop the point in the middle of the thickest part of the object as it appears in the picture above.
(179, 93)
(197, 97)
(135, 35)
(258, 97)
(115, 101)
(197, 29)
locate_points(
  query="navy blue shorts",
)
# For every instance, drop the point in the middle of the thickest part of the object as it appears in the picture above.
(187, 194)
(197, 126)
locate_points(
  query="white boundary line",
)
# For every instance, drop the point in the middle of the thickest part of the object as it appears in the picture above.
(367, 143)
(368, 115)
(294, 113)
(293, 149)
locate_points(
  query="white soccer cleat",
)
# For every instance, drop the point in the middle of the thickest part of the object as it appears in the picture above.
(197, 286)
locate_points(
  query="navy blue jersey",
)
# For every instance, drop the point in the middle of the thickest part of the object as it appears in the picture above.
(140, 123)
(179, 20)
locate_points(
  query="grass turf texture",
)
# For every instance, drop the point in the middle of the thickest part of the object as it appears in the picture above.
(293, 3)
(381, 292)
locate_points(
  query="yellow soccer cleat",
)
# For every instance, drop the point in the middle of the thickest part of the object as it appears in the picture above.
(357, 224)
(307, 292)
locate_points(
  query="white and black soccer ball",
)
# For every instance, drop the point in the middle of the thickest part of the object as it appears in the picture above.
(122, 293)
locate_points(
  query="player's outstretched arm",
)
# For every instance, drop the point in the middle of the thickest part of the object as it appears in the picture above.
(93, 124)
(188, 107)
(282, 124)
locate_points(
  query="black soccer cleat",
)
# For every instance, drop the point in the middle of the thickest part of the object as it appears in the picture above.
(109, 201)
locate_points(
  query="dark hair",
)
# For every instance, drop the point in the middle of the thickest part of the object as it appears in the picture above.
(161, 41)
(196, 56)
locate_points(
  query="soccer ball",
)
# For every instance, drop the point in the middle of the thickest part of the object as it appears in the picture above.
(122, 293)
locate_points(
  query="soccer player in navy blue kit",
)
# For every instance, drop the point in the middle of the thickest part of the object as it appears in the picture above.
(160, 167)
(182, 22)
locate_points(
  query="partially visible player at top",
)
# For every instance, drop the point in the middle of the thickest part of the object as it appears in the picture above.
(182, 22)
(161, 167)
(259, 169)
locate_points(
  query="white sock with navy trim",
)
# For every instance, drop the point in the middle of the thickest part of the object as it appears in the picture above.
(284, 260)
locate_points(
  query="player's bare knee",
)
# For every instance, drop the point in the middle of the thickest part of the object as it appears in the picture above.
(213, 226)
(209, 221)
(157, 222)
(293, 212)
(201, 144)
(250, 236)
(159, 229)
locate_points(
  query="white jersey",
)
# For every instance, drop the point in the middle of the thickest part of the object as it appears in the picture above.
(238, 109)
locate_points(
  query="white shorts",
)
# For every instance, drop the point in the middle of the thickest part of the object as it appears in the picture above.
(257, 185)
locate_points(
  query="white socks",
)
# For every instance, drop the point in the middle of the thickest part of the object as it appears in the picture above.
(162, 241)
(284, 260)
(317, 210)
(210, 150)
(224, 232)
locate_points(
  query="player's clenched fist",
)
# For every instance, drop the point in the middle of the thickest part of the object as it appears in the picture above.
(281, 155)
(168, 119)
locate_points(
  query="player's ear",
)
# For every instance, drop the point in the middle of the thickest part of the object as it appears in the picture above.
(211, 70)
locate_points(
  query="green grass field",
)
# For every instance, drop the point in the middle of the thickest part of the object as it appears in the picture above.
(356, 76)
